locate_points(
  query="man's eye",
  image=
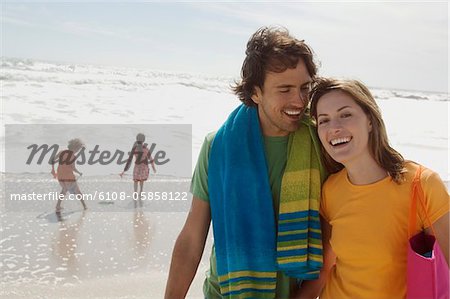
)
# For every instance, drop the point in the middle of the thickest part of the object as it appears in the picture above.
(284, 90)
(307, 87)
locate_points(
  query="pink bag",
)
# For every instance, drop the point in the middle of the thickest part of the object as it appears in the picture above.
(428, 277)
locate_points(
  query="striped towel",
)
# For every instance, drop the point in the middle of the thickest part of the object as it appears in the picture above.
(299, 240)
(248, 250)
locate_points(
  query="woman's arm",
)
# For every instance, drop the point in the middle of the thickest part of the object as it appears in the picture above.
(436, 203)
(441, 230)
(130, 158)
(152, 162)
(76, 170)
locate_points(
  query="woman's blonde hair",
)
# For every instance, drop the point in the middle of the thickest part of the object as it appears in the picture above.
(387, 157)
(75, 144)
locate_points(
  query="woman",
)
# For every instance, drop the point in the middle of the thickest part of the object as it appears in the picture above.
(366, 200)
(140, 171)
(65, 171)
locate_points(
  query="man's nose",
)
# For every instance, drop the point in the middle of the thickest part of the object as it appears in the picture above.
(301, 99)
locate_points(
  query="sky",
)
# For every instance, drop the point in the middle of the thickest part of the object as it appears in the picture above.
(391, 45)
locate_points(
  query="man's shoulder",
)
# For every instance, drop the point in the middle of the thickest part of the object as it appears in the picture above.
(206, 148)
(209, 139)
(210, 136)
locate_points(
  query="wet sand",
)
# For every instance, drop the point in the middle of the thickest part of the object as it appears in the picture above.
(90, 254)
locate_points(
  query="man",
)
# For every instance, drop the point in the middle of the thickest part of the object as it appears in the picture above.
(238, 183)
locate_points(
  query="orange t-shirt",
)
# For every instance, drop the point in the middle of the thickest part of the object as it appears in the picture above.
(369, 235)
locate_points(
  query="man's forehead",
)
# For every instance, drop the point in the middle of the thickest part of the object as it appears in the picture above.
(300, 70)
(289, 77)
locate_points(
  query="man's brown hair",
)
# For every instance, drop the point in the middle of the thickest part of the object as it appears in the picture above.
(270, 49)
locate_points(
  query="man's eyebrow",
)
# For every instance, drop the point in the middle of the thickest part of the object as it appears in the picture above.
(292, 85)
(285, 86)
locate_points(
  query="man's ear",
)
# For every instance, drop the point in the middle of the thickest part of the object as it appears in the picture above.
(257, 95)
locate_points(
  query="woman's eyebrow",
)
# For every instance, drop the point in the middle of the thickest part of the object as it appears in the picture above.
(343, 107)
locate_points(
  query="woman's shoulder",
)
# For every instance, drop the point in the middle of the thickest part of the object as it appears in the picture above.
(412, 167)
(335, 178)
(427, 175)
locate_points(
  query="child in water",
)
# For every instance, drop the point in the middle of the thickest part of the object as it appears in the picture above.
(141, 169)
(66, 169)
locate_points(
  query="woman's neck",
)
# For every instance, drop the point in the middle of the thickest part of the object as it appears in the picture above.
(365, 173)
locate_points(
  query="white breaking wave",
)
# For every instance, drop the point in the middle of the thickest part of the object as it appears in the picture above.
(26, 70)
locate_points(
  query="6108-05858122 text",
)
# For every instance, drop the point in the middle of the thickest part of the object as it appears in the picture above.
(103, 196)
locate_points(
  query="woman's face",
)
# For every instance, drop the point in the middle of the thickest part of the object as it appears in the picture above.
(343, 128)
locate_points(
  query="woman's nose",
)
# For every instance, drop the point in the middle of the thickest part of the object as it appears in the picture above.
(335, 125)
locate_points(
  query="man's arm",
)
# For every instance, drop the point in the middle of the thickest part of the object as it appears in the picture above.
(188, 250)
(311, 288)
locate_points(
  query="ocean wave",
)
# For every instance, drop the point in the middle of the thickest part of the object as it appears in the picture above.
(32, 71)
(31, 65)
(27, 70)
(385, 94)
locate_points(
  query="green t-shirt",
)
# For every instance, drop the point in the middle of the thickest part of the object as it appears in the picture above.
(276, 156)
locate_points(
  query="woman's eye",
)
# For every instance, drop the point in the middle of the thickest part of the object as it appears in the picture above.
(345, 115)
(323, 121)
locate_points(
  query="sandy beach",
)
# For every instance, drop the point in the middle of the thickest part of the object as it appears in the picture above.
(111, 250)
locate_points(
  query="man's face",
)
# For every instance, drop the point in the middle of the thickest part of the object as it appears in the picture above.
(282, 100)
